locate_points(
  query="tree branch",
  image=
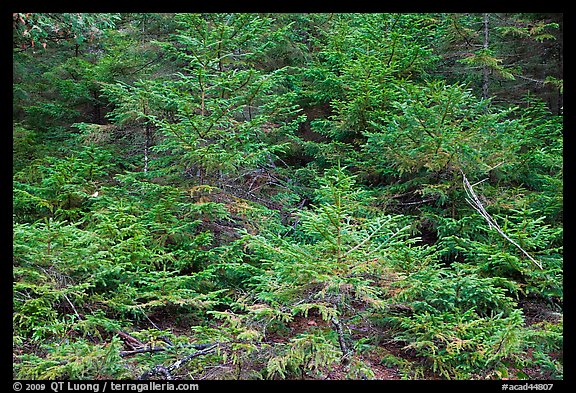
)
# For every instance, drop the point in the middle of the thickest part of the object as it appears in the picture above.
(477, 205)
(346, 352)
(166, 371)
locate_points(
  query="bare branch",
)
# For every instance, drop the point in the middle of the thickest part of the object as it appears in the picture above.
(141, 350)
(346, 352)
(474, 201)
(73, 308)
(166, 371)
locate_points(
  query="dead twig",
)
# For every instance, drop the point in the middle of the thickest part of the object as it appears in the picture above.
(167, 371)
(346, 352)
(132, 342)
(141, 350)
(474, 201)
(144, 348)
(156, 370)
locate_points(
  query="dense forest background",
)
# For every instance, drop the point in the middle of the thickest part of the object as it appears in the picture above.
(287, 196)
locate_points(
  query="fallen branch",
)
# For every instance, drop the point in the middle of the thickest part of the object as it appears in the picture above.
(167, 371)
(73, 308)
(416, 202)
(141, 350)
(130, 341)
(180, 362)
(474, 201)
(155, 371)
(346, 352)
(145, 349)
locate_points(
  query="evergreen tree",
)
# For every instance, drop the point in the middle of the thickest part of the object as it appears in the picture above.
(287, 196)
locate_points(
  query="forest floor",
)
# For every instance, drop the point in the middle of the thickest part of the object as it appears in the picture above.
(535, 311)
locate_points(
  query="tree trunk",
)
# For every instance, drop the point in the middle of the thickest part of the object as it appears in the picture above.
(485, 70)
(147, 146)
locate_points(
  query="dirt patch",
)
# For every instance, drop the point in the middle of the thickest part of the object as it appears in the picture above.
(538, 310)
(381, 371)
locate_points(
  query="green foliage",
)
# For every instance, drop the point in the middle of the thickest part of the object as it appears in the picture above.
(215, 112)
(438, 128)
(361, 63)
(503, 52)
(60, 188)
(281, 196)
(305, 353)
(368, 55)
(462, 345)
(490, 255)
(484, 58)
(338, 247)
(78, 360)
(24, 147)
(136, 244)
(31, 29)
(545, 341)
(539, 164)
(433, 290)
